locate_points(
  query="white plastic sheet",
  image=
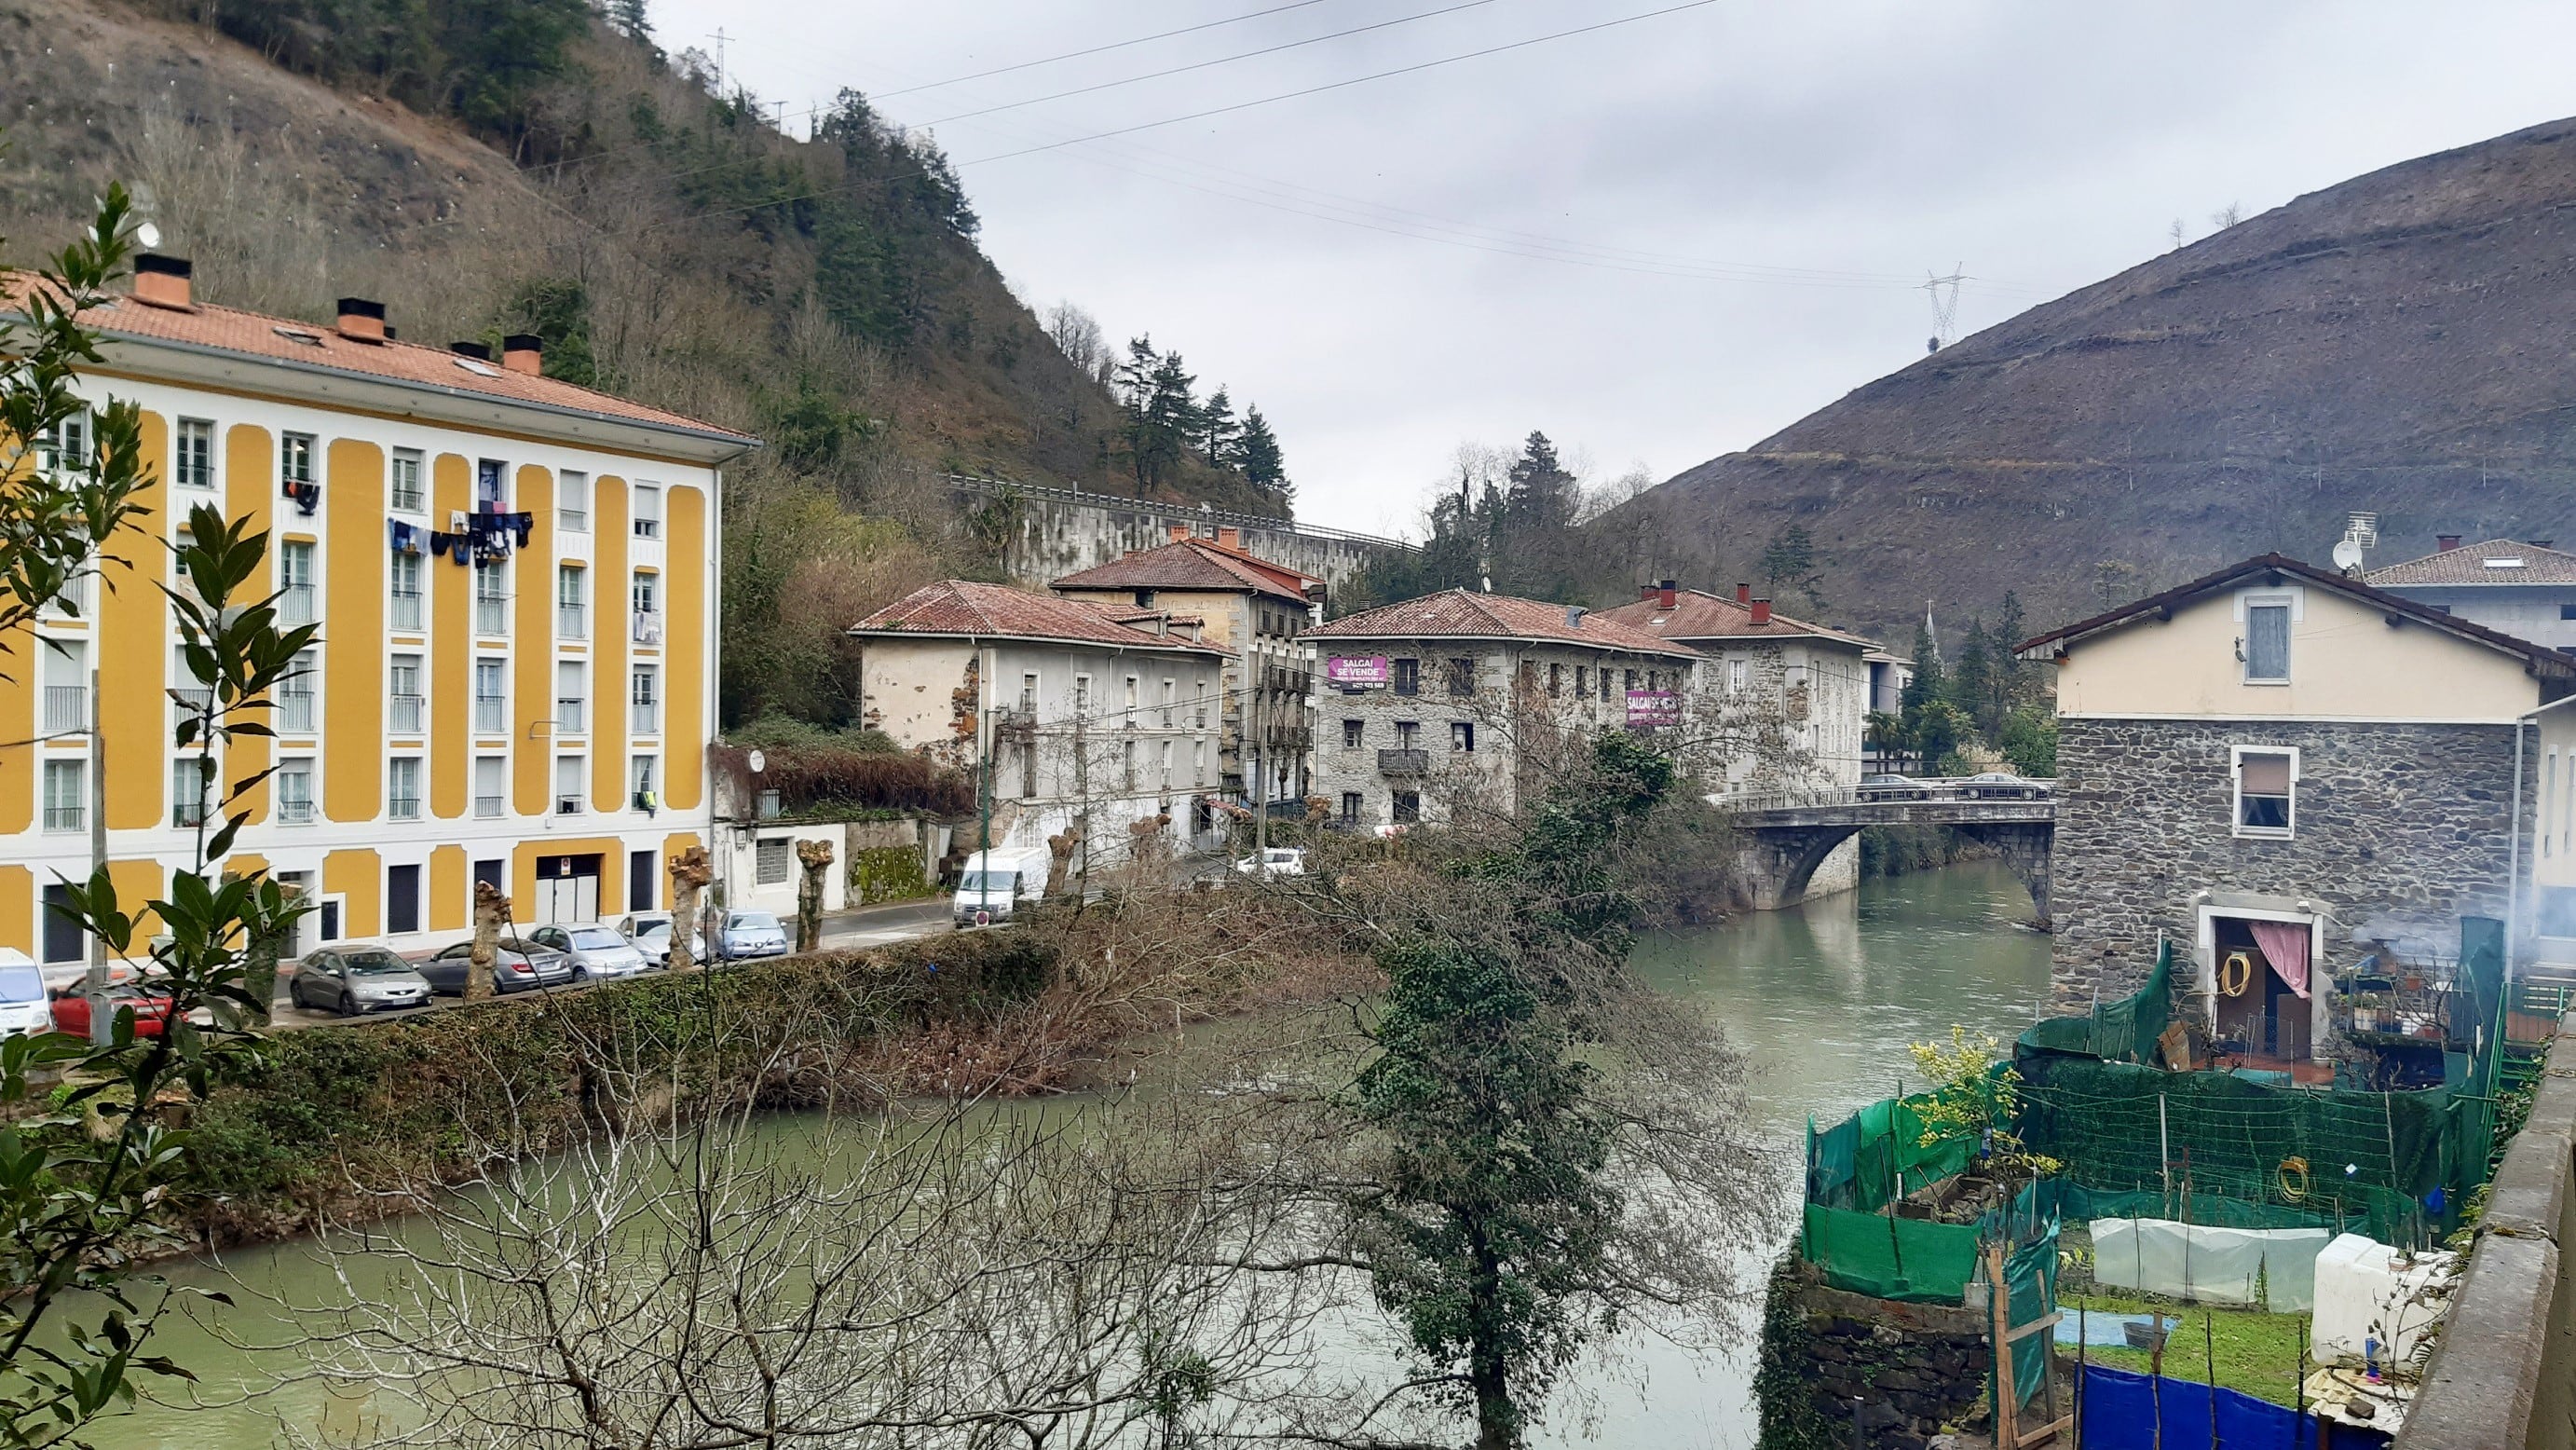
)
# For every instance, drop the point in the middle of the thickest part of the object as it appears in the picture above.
(2369, 1290)
(2212, 1265)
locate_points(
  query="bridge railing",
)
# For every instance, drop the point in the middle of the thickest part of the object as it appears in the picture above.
(1208, 512)
(1920, 792)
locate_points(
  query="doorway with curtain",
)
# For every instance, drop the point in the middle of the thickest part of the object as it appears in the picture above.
(2260, 976)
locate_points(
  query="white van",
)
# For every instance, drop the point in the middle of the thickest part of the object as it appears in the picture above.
(25, 1010)
(993, 881)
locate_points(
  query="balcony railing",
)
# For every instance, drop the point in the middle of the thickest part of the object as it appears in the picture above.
(405, 716)
(487, 806)
(647, 716)
(66, 708)
(194, 699)
(568, 805)
(295, 713)
(648, 628)
(64, 818)
(572, 621)
(295, 810)
(568, 717)
(406, 611)
(1404, 762)
(403, 807)
(295, 604)
(491, 616)
(491, 716)
(575, 521)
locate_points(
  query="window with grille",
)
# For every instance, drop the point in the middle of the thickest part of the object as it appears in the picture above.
(572, 502)
(66, 686)
(65, 445)
(402, 788)
(295, 457)
(491, 599)
(405, 577)
(572, 697)
(295, 582)
(192, 454)
(648, 511)
(572, 595)
(644, 701)
(295, 791)
(491, 697)
(295, 694)
(567, 785)
(773, 861)
(66, 795)
(491, 785)
(403, 490)
(192, 789)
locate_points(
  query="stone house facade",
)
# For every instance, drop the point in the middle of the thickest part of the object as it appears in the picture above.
(1254, 609)
(2280, 768)
(1438, 703)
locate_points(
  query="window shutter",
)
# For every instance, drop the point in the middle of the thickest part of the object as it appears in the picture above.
(2267, 642)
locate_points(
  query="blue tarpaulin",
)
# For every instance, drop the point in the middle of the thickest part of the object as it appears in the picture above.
(2120, 1411)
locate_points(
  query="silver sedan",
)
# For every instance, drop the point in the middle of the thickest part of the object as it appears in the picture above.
(598, 953)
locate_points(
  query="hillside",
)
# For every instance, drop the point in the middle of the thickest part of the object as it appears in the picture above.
(2398, 342)
(488, 166)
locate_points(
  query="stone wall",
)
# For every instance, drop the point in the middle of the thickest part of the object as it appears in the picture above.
(1054, 532)
(1905, 1370)
(2400, 831)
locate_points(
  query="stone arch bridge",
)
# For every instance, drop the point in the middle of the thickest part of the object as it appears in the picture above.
(1788, 836)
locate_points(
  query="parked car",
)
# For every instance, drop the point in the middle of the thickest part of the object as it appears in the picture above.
(151, 1009)
(751, 934)
(24, 1009)
(648, 932)
(1276, 861)
(1887, 780)
(597, 953)
(354, 978)
(520, 967)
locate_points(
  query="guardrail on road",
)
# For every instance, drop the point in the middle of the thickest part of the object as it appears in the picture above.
(1910, 793)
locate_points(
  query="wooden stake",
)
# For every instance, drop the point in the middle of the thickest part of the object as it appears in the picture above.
(1999, 1313)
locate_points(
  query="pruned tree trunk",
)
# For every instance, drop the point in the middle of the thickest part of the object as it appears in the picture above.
(816, 858)
(689, 875)
(489, 907)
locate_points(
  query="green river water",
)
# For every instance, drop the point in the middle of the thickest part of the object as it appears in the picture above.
(1824, 998)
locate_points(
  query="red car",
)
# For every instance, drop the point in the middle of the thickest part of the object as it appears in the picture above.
(151, 1010)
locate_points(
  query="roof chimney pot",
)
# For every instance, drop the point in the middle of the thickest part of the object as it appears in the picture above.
(2446, 542)
(1646, 591)
(480, 352)
(1761, 611)
(1744, 594)
(1174, 533)
(1666, 591)
(523, 352)
(363, 320)
(161, 281)
(1229, 537)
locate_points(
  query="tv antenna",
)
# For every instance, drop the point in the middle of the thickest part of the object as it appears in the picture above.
(1944, 292)
(2359, 536)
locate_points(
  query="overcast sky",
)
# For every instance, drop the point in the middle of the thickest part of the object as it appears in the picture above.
(1657, 242)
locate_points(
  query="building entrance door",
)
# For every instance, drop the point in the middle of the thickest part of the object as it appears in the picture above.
(567, 889)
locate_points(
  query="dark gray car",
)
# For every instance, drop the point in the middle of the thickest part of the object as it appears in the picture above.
(516, 967)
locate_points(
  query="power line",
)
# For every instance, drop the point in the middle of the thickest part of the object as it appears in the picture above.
(1201, 115)
(1096, 50)
(1220, 60)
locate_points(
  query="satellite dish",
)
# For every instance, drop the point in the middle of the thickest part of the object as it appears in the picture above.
(757, 761)
(149, 235)
(2347, 555)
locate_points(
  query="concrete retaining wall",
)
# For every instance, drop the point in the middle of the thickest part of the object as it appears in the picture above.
(2503, 1376)
(1055, 532)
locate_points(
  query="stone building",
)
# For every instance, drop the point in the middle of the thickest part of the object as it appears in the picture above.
(1084, 714)
(2522, 587)
(1255, 610)
(1434, 700)
(2279, 767)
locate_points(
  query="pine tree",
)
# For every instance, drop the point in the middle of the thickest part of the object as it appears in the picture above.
(631, 21)
(1542, 493)
(1972, 687)
(1220, 437)
(1926, 685)
(1260, 460)
(1790, 559)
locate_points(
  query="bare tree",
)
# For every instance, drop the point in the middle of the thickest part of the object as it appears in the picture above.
(2226, 216)
(1078, 336)
(815, 857)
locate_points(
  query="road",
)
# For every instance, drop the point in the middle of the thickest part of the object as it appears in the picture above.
(873, 926)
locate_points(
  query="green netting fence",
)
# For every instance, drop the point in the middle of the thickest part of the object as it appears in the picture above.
(2124, 1031)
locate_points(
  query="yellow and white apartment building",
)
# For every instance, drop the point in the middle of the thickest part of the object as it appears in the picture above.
(536, 716)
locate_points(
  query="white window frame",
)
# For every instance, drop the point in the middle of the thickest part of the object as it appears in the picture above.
(2236, 793)
(394, 802)
(500, 803)
(295, 457)
(56, 815)
(182, 474)
(297, 768)
(2248, 600)
(572, 501)
(576, 799)
(416, 617)
(300, 597)
(647, 520)
(406, 462)
(572, 709)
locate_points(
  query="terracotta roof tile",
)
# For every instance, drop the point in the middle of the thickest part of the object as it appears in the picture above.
(1697, 614)
(1459, 614)
(955, 607)
(1188, 564)
(288, 340)
(2481, 564)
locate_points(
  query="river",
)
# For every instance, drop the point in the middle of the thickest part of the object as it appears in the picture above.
(1824, 998)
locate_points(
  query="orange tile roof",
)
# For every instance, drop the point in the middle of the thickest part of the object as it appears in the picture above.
(312, 345)
(956, 608)
(2485, 563)
(1697, 614)
(1189, 564)
(1461, 614)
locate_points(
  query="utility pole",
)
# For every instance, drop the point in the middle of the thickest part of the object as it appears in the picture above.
(1261, 765)
(102, 1023)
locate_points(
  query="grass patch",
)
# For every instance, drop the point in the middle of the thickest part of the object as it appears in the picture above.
(2257, 1353)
